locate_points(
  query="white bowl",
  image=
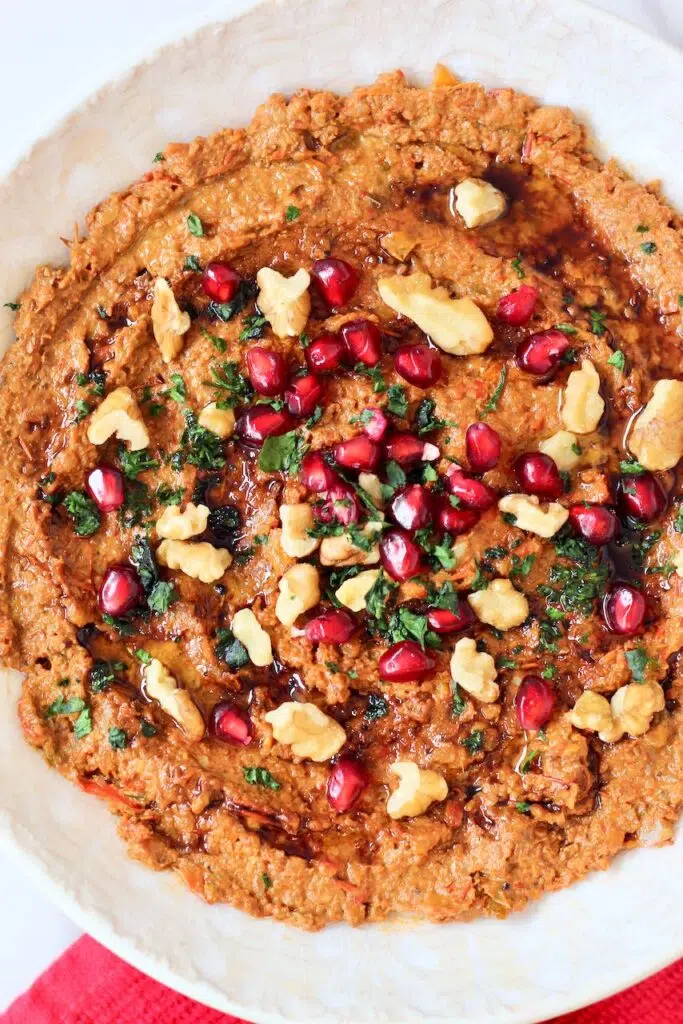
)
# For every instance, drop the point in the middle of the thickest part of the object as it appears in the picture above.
(571, 948)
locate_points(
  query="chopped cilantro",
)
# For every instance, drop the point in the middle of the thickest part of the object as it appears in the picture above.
(218, 343)
(144, 561)
(192, 263)
(617, 359)
(177, 391)
(283, 453)
(230, 650)
(395, 474)
(138, 503)
(379, 384)
(147, 729)
(102, 313)
(517, 266)
(479, 582)
(523, 806)
(199, 446)
(225, 311)
(642, 228)
(14, 306)
(376, 707)
(475, 741)
(267, 881)
(397, 400)
(161, 597)
(425, 420)
(638, 661)
(121, 625)
(167, 495)
(648, 248)
(629, 467)
(254, 326)
(678, 522)
(566, 328)
(292, 213)
(227, 377)
(194, 225)
(118, 738)
(82, 409)
(527, 762)
(143, 656)
(103, 674)
(597, 322)
(522, 566)
(135, 462)
(492, 403)
(64, 706)
(260, 777)
(84, 512)
(83, 724)
(315, 416)
(459, 704)
(158, 157)
(548, 672)
(378, 595)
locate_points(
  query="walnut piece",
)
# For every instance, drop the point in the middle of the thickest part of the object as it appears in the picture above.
(119, 416)
(160, 685)
(417, 789)
(169, 323)
(248, 630)
(630, 711)
(219, 421)
(478, 202)
(582, 403)
(285, 302)
(309, 731)
(657, 436)
(201, 561)
(398, 244)
(173, 524)
(475, 671)
(296, 521)
(529, 516)
(342, 551)
(457, 326)
(353, 592)
(299, 591)
(500, 605)
(562, 449)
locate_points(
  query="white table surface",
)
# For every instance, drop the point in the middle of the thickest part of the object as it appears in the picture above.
(54, 55)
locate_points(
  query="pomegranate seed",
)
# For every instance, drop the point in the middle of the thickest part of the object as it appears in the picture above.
(400, 555)
(336, 279)
(303, 394)
(442, 620)
(262, 421)
(595, 523)
(538, 474)
(541, 353)
(316, 474)
(642, 496)
(230, 725)
(106, 488)
(363, 340)
(406, 662)
(455, 520)
(325, 353)
(341, 504)
(406, 449)
(333, 626)
(267, 371)
(418, 364)
(483, 447)
(516, 308)
(346, 782)
(623, 609)
(121, 590)
(220, 282)
(412, 507)
(358, 453)
(534, 702)
(471, 493)
(375, 423)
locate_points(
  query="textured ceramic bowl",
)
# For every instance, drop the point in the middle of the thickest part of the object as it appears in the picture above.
(571, 948)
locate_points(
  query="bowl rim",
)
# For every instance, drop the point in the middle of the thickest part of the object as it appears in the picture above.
(92, 920)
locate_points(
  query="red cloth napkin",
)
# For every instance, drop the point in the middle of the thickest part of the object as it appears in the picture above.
(89, 985)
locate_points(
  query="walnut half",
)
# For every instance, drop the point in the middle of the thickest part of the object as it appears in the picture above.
(309, 731)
